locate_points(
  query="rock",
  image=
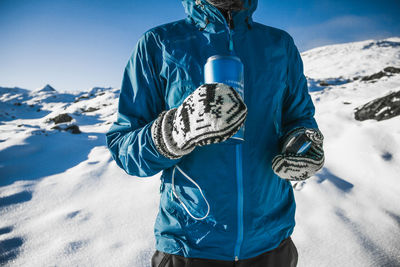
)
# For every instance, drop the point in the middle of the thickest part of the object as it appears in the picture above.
(382, 108)
(382, 43)
(90, 109)
(64, 117)
(315, 85)
(386, 72)
(323, 83)
(374, 76)
(74, 129)
(85, 96)
(392, 69)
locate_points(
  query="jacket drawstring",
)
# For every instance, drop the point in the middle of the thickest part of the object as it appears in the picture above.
(175, 194)
(205, 26)
(230, 20)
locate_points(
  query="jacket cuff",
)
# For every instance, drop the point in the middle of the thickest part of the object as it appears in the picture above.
(161, 133)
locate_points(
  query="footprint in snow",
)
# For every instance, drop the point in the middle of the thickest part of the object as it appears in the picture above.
(17, 198)
(78, 215)
(75, 246)
(387, 156)
(9, 249)
(6, 230)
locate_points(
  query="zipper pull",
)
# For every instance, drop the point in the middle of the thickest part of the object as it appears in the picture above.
(230, 44)
(230, 28)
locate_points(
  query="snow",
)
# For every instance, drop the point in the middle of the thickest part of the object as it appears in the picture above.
(350, 60)
(64, 202)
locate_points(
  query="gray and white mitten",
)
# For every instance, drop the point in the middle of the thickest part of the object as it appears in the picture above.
(302, 155)
(211, 114)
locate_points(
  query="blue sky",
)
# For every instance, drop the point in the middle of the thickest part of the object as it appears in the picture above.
(78, 44)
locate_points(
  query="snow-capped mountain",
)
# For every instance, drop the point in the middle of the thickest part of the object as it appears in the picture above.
(64, 202)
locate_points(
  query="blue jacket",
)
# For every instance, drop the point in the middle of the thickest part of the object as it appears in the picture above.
(251, 209)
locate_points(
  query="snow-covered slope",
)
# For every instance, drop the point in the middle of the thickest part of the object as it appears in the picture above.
(64, 202)
(350, 60)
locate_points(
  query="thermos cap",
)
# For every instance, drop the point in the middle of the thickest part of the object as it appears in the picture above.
(223, 57)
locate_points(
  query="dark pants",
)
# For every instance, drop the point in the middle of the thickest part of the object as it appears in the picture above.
(285, 255)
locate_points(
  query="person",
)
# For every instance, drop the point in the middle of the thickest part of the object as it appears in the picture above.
(221, 204)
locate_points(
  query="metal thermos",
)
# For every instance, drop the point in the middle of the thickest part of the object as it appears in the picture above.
(228, 70)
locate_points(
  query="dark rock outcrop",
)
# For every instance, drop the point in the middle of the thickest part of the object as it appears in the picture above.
(382, 43)
(386, 72)
(315, 85)
(392, 69)
(64, 117)
(90, 109)
(382, 108)
(74, 129)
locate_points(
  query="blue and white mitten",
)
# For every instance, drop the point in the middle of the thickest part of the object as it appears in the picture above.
(211, 114)
(302, 155)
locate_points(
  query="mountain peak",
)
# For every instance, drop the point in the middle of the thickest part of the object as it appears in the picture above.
(46, 88)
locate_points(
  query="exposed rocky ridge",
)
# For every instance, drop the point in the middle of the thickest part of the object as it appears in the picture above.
(46, 110)
(320, 84)
(382, 108)
(386, 72)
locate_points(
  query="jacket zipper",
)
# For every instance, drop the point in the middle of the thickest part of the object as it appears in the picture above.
(239, 178)
(239, 162)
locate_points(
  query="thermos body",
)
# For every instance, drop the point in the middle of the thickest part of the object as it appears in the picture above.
(228, 70)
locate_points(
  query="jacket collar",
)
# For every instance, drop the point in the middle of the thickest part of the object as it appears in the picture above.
(208, 18)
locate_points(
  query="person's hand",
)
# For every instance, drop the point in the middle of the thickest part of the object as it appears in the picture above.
(302, 155)
(211, 114)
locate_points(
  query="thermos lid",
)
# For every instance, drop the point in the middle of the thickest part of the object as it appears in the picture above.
(215, 57)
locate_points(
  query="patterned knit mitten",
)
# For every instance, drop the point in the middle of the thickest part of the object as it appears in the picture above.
(298, 161)
(211, 114)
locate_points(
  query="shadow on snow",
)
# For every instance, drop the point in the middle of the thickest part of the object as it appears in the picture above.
(340, 183)
(41, 155)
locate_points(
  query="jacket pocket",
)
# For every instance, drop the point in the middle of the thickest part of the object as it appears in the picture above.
(194, 231)
(178, 91)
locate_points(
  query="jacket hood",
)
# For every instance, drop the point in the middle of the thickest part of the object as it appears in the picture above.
(207, 17)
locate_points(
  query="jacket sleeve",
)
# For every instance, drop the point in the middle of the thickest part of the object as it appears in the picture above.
(298, 109)
(140, 102)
